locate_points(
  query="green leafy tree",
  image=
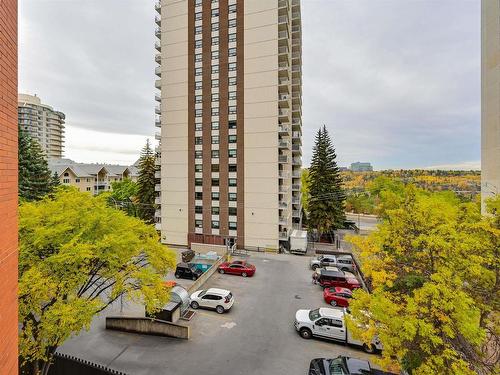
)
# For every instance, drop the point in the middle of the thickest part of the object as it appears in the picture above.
(78, 255)
(124, 195)
(326, 195)
(433, 266)
(146, 181)
(34, 176)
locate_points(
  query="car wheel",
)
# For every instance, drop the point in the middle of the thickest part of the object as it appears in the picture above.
(221, 271)
(369, 348)
(244, 274)
(194, 305)
(177, 276)
(220, 309)
(305, 333)
(195, 277)
(314, 267)
(333, 302)
(345, 269)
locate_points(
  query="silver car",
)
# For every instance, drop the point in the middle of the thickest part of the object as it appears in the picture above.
(343, 262)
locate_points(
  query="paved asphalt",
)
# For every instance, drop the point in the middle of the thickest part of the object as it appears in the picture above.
(364, 223)
(256, 337)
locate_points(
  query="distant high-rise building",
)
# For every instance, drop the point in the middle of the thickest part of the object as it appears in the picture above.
(42, 123)
(9, 328)
(230, 115)
(361, 167)
(490, 98)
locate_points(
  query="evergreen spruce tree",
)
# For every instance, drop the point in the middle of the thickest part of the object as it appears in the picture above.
(34, 176)
(326, 195)
(146, 182)
(54, 181)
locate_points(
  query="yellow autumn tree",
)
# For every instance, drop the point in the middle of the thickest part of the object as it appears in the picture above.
(78, 255)
(433, 268)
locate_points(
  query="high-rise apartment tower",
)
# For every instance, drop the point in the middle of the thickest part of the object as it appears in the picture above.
(230, 109)
(42, 123)
(490, 98)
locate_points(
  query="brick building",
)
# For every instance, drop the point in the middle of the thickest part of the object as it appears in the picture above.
(8, 187)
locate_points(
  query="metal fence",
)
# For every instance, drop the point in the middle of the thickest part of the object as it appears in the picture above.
(68, 365)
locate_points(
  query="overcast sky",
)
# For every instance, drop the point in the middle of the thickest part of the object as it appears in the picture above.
(397, 82)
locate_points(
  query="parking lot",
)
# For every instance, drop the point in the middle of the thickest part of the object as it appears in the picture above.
(256, 337)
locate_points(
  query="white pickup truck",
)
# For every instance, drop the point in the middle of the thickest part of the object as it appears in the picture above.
(330, 324)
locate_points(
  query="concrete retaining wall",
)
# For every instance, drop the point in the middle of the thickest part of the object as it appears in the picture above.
(147, 326)
(206, 275)
(205, 248)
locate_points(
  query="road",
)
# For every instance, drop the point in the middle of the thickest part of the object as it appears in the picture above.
(364, 222)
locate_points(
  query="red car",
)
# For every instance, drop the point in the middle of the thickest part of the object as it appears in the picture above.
(328, 279)
(337, 296)
(237, 267)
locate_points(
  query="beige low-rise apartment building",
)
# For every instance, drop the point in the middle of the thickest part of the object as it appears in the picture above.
(490, 98)
(230, 112)
(42, 123)
(92, 178)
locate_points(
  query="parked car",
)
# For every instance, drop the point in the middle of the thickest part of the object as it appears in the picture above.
(339, 366)
(330, 324)
(344, 262)
(237, 267)
(337, 296)
(343, 366)
(220, 300)
(187, 271)
(327, 279)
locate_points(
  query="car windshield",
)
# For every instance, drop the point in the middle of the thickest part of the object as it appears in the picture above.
(337, 367)
(314, 314)
(202, 293)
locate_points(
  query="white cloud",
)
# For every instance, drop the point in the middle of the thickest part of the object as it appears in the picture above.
(464, 166)
(89, 146)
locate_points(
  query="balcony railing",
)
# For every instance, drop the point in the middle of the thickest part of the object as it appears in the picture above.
(284, 81)
(158, 20)
(283, 174)
(296, 213)
(158, 110)
(283, 205)
(158, 32)
(158, 136)
(158, 71)
(283, 66)
(158, 98)
(295, 187)
(283, 129)
(158, 6)
(283, 159)
(296, 161)
(158, 46)
(284, 97)
(158, 123)
(282, 19)
(283, 50)
(284, 144)
(283, 235)
(158, 200)
(283, 35)
(284, 112)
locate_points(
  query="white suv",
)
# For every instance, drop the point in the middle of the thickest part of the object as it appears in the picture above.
(220, 300)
